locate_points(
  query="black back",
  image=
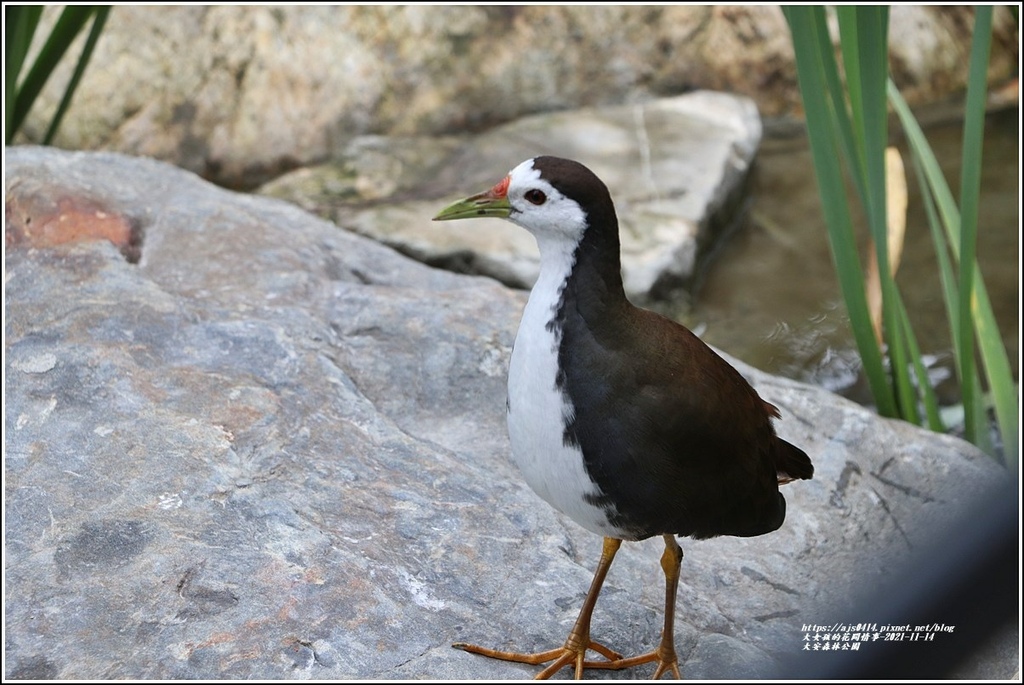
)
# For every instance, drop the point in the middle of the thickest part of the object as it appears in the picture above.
(675, 438)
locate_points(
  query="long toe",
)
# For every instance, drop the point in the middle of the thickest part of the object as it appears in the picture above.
(559, 658)
(666, 663)
(666, 666)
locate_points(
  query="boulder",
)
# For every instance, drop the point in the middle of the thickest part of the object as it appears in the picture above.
(677, 169)
(257, 446)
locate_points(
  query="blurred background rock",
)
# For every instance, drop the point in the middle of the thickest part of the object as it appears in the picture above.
(241, 94)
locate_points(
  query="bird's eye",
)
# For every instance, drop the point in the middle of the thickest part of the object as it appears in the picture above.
(535, 197)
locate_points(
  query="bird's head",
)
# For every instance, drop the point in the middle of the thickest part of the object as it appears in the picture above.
(555, 199)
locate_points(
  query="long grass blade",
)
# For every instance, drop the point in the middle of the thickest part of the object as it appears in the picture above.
(872, 51)
(924, 385)
(950, 290)
(851, 118)
(993, 353)
(823, 126)
(849, 44)
(997, 373)
(100, 18)
(20, 25)
(947, 275)
(71, 21)
(21, 22)
(865, 59)
(850, 145)
(970, 186)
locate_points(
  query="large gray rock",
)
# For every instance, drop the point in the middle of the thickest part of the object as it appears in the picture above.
(268, 448)
(676, 168)
(241, 93)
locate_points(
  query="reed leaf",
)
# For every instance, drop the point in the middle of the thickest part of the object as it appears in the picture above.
(863, 33)
(942, 207)
(924, 385)
(849, 120)
(22, 95)
(20, 26)
(970, 187)
(825, 110)
(99, 19)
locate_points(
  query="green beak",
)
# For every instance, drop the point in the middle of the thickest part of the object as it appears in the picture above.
(483, 204)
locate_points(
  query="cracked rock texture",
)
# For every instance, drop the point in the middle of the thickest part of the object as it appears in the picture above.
(269, 448)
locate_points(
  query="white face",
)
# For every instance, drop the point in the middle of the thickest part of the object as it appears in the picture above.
(543, 211)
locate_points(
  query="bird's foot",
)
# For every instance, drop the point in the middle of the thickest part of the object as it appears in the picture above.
(562, 657)
(667, 663)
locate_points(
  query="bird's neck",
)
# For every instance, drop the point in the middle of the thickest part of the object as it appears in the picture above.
(582, 280)
(594, 287)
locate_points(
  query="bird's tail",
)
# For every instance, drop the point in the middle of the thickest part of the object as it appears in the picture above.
(791, 462)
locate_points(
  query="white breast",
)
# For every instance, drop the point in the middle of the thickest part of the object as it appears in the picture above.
(538, 409)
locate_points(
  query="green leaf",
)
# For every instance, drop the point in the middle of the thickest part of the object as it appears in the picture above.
(851, 123)
(970, 185)
(70, 23)
(21, 22)
(924, 385)
(944, 218)
(83, 61)
(825, 112)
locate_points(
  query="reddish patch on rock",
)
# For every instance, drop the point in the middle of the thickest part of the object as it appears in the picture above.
(36, 221)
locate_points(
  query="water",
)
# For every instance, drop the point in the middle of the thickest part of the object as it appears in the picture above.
(770, 295)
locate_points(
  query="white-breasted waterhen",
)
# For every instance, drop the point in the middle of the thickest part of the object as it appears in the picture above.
(618, 417)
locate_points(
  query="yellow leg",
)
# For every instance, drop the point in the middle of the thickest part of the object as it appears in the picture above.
(576, 645)
(665, 654)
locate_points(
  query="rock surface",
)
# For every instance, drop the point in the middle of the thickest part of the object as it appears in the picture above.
(677, 168)
(240, 94)
(273, 449)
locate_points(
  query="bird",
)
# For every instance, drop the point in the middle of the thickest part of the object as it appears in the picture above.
(618, 417)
